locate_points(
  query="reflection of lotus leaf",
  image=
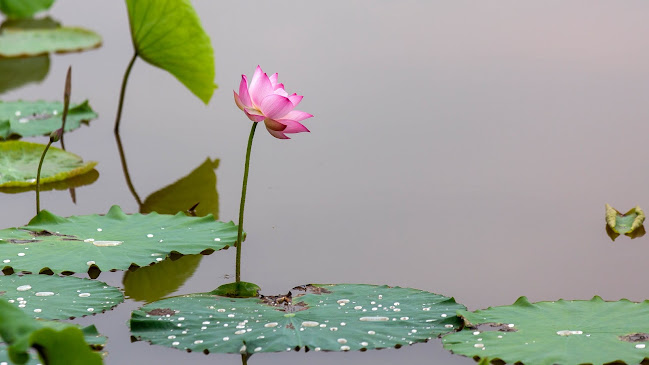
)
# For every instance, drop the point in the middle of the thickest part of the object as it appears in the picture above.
(112, 241)
(19, 164)
(15, 72)
(562, 332)
(56, 297)
(339, 317)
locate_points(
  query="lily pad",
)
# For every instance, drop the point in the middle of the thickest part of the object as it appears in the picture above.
(24, 8)
(56, 297)
(168, 34)
(151, 283)
(340, 317)
(197, 187)
(562, 332)
(15, 73)
(28, 118)
(71, 183)
(57, 343)
(115, 241)
(629, 223)
(16, 42)
(19, 164)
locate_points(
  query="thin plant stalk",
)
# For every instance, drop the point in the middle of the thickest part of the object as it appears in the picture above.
(38, 177)
(243, 201)
(122, 158)
(66, 102)
(118, 118)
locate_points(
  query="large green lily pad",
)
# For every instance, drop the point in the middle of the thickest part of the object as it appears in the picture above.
(629, 224)
(339, 317)
(29, 118)
(197, 187)
(19, 164)
(16, 42)
(57, 343)
(562, 332)
(24, 8)
(17, 72)
(168, 34)
(71, 183)
(115, 241)
(56, 297)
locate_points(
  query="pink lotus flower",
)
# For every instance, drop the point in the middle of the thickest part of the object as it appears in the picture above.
(265, 99)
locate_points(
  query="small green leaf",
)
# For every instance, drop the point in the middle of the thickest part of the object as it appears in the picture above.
(150, 283)
(239, 289)
(339, 317)
(115, 241)
(15, 73)
(629, 223)
(37, 118)
(24, 8)
(168, 34)
(562, 332)
(32, 42)
(57, 343)
(56, 297)
(197, 187)
(19, 163)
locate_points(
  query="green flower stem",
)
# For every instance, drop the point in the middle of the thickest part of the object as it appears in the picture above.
(38, 177)
(118, 118)
(243, 201)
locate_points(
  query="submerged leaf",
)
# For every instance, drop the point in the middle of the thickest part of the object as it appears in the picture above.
(168, 34)
(19, 163)
(17, 72)
(37, 118)
(16, 42)
(23, 8)
(57, 343)
(340, 317)
(629, 223)
(148, 284)
(56, 297)
(107, 242)
(197, 187)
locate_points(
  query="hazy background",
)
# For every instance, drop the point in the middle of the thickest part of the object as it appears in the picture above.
(464, 148)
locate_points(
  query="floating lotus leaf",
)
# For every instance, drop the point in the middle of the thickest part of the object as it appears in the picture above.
(628, 224)
(56, 297)
(168, 34)
(197, 187)
(37, 118)
(151, 283)
(57, 343)
(19, 164)
(71, 183)
(339, 317)
(562, 332)
(112, 241)
(16, 42)
(23, 8)
(17, 72)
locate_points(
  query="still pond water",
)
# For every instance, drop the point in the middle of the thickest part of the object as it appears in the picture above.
(462, 148)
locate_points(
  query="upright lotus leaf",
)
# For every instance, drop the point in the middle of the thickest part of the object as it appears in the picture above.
(629, 223)
(16, 42)
(23, 8)
(56, 297)
(339, 317)
(37, 118)
(19, 164)
(197, 187)
(148, 284)
(115, 241)
(17, 72)
(562, 332)
(168, 34)
(71, 183)
(57, 343)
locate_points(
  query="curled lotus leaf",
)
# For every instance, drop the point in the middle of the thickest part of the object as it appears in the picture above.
(338, 317)
(629, 224)
(567, 332)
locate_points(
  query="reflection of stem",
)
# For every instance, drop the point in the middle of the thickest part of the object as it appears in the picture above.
(243, 201)
(244, 357)
(38, 177)
(122, 92)
(125, 169)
